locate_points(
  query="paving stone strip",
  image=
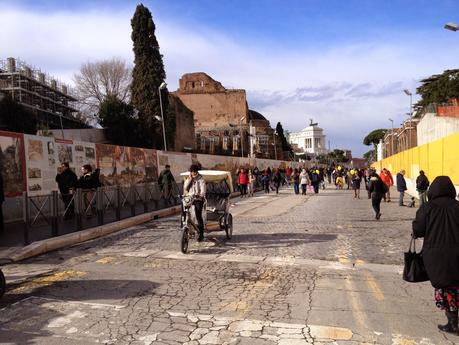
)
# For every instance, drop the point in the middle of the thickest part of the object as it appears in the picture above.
(72, 320)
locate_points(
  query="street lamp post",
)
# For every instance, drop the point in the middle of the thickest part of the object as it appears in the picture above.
(392, 151)
(162, 87)
(408, 93)
(242, 137)
(274, 143)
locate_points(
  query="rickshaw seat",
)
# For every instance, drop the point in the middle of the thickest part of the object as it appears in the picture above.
(217, 201)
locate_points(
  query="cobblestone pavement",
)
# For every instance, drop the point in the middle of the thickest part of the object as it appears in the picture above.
(299, 270)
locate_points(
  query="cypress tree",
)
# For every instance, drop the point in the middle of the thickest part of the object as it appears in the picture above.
(147, 76)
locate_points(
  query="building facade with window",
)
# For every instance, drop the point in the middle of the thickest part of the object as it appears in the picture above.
(310, 140)
(223, 122)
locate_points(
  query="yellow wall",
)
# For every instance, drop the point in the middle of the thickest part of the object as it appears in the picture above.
(440, 157)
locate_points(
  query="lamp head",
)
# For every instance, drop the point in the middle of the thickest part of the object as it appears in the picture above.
(163, 85)
(159, 118)
(407, 92)
(451, 26)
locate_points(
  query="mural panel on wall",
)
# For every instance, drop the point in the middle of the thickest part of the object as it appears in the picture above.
(179, 162)
(126, 165)
(46, 154)
(12, 163)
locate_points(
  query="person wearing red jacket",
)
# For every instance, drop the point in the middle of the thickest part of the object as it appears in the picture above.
(243, 181)
(386, 177)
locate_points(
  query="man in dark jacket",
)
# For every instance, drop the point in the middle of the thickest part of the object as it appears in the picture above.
(401, 187)
(66, 181)
(166, 179)
(377, 189)
(438, 222)
(422, 184)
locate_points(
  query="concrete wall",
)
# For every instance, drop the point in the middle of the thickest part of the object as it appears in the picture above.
(433, 127)
(439, 157)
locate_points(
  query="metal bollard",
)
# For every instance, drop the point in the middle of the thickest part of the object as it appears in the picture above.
(118, 203)
(145, 197)
(100, 206)
(132, 199)
(25, 214)
(78, 207)
(54, 213)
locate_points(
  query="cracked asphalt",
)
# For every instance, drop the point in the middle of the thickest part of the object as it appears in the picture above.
(299, 270)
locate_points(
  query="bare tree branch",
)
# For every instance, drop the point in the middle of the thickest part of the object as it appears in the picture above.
(98, 80)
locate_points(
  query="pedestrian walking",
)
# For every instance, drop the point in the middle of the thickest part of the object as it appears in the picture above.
(304, 181)
(251, 184)
(438, 222)
(366, 177)
(166, 179)
(277, 180)
(422, 185)
(243, 181)
(266, 180)
(296, 181)
(388, 180)
(401, 186)
(377, 190)
(355, 183)
(66, 182)
(315, 180)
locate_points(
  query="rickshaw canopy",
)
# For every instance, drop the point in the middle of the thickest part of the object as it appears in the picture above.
(214, 176)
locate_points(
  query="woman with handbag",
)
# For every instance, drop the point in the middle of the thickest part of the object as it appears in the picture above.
(438, 222)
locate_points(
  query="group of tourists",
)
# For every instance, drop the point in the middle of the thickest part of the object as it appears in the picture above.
(67, 182)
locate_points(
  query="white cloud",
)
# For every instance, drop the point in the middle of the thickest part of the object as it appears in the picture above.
(349, 88)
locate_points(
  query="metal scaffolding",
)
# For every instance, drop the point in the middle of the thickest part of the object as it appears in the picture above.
(37, 90)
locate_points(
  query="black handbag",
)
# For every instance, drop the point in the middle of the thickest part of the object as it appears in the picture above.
(414, 270)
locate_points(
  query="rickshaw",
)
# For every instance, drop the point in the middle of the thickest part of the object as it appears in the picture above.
(216, 217)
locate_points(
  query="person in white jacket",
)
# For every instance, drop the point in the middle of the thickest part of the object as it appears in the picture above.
(195, 186)
(304, 181)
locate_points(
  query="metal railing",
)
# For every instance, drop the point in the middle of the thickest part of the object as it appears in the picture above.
(56, 214)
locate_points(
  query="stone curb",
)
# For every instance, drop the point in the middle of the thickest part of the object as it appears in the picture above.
(50, 244)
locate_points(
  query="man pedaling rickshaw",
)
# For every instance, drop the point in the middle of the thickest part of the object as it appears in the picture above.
(195, 186)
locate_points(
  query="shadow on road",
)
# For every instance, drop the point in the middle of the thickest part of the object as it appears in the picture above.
(265, 241)
(78, 290)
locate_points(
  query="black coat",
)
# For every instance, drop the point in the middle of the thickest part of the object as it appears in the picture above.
(376, 187)
(438, 222)
(66, 180)
(401, 183)
(422, 183)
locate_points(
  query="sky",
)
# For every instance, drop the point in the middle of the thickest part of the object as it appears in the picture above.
(342, 63)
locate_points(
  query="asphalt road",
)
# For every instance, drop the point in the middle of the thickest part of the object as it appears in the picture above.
(299, 270)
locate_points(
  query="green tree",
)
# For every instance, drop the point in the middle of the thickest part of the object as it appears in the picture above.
(148, 74)
(280, 133)
(120, 123)
(374, 137)
(439, 88)
(338, 156)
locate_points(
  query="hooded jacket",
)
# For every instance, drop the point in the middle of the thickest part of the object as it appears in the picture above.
(438, 222)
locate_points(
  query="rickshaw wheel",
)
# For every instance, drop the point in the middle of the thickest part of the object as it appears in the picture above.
(2, 283)
(229, 227)
(184, 240)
